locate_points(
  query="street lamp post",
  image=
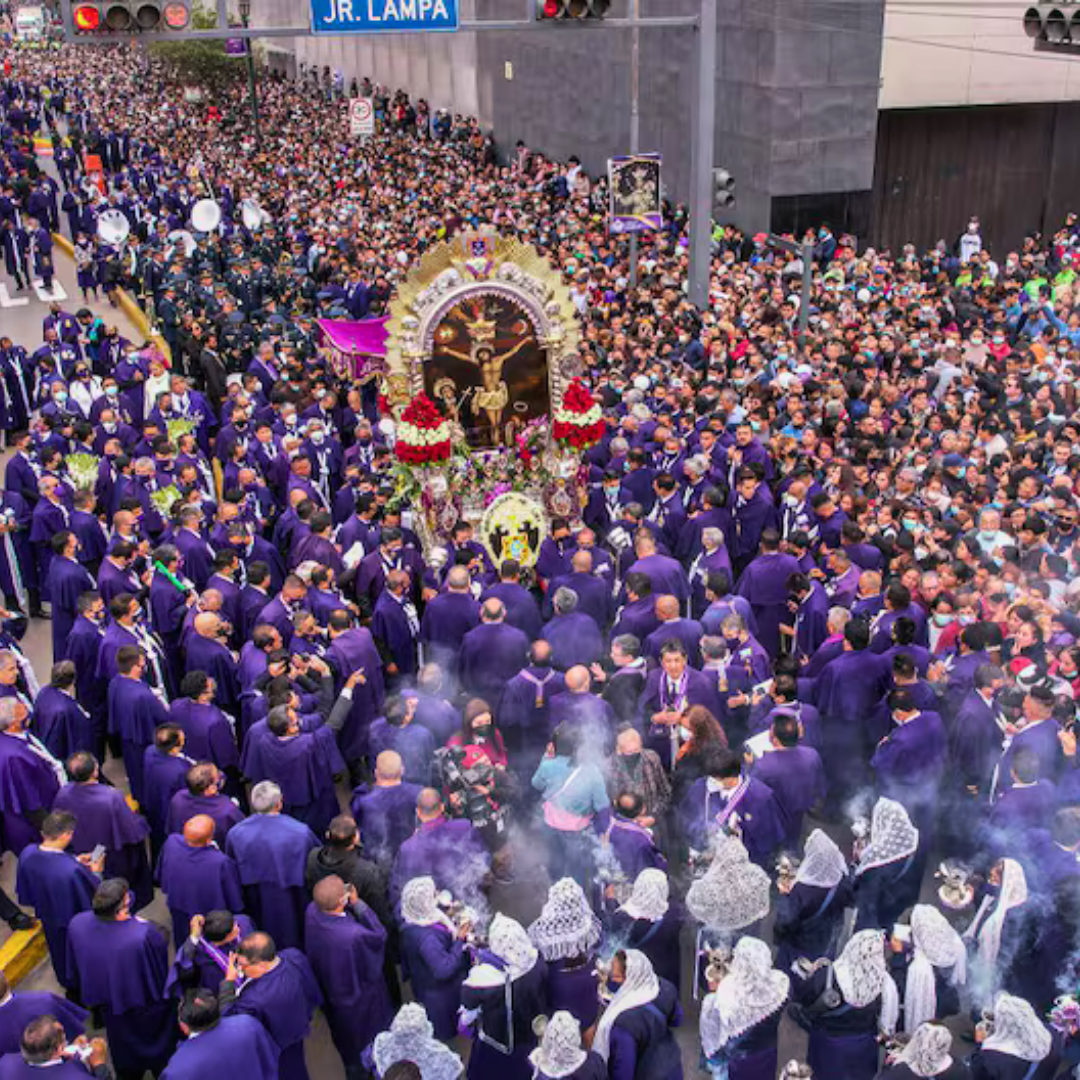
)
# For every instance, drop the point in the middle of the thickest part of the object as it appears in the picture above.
(245, 15)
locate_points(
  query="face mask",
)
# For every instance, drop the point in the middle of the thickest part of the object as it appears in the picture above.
(482, 731)
(732, 642)
(317, 438)
(290, 420)
(999, 339)
(109, 427)
(632, 760)
(60, 399)
(112, 391)
(942, 619)
(911, 526)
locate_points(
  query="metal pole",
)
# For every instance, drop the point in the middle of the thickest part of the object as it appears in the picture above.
(251, 80)
(704, 146)
(804, 298)
(635, 119)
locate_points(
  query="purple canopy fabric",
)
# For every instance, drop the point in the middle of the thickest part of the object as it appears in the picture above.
(364, 338)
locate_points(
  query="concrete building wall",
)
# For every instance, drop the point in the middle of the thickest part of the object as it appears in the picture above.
(937, 55)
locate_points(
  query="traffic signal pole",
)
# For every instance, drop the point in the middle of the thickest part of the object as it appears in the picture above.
(704, 149)
(635, 118)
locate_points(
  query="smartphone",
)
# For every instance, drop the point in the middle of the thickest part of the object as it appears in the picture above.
(902, 933)
(97, 853)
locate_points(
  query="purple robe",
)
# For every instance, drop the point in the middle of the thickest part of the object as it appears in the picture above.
(83, 647)
(205, 965)
(446, 620)
(491, 655)
(521, 609)
(1019, 811)
(666, 575)
(135, 713)
(57, 886)
(208, 734)
(435, 963)
(796, 777)
(346, 954)
(386, 817)
(168, 609)
(1042, 740)
(413, 742)
(271, 853)
(303, 766)
(236, 1046)
(553, 558)
(196, 880)
(102, 816)
(122, 967)
(252, 665)
(574, 639)
(764, 585)
(283, 1001)
(62, 724)
(214, 658)
(183, 806)
(66, 582)
(278, 614)
(910, 762)
(350, 651)
(700, 690)
(449, 850)
(633, 847)
(21, 1008)
(760, 817)
(687, 632)
(637, 617)
(163, 776)
(112, 581)
(390, 626)
(438, 715)
(28, 787)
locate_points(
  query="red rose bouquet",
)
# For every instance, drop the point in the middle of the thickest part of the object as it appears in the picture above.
(423, 433)
(578, 422)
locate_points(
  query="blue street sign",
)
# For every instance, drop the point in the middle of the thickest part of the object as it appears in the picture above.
(382, 16)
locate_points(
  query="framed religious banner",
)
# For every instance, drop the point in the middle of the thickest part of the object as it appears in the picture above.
(636, 200)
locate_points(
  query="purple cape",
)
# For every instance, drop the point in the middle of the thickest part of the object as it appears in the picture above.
(236, 1046)
(196, 880)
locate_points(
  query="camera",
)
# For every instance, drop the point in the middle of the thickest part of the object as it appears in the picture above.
(461, 779)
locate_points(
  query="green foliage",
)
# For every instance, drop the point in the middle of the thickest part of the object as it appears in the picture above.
(200, 63)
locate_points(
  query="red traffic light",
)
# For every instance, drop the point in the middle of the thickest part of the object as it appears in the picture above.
(176, 16)
(87, 18)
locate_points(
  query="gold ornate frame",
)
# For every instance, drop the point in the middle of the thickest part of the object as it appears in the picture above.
(472, 266)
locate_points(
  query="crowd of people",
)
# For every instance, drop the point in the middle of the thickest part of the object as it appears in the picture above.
(814, 631)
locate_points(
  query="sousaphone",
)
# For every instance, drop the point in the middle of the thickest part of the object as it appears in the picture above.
(205, 216)
(113, 227)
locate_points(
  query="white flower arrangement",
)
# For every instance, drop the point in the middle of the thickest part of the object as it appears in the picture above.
(585, 419)
(411, 435)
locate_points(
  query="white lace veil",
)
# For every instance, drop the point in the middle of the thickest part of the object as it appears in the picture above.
(823, 864)
(1017, 1030)
(936, 945)
(892, 836)
(751, 991)
(862, 976)
(412, 1038)
(733, 893)
(927, 1052)
(649, 899)
(639, 988)
(1012, 893)
(567, 926)
(418, 904)
(509, 942)
(559, 1053)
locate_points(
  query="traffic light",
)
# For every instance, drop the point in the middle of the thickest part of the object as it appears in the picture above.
(550, 10)
(1053, 24)
(723, 187)
(115, 19)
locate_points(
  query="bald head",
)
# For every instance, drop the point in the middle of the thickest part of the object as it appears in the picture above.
(667, 608)
(428, 804)
(206, 624)
(540, 652)
(458, 580)
(199, 830)
(582, 562)
(493, 610)
(388, 766)
(577, 679)
(329, 894)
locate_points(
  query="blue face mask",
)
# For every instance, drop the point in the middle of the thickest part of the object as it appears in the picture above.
(911, 526)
